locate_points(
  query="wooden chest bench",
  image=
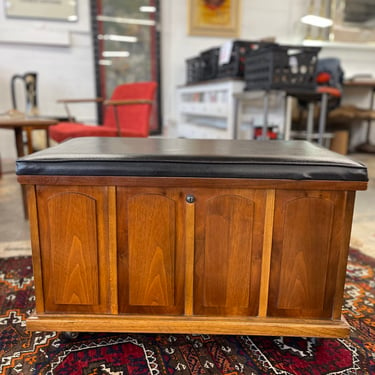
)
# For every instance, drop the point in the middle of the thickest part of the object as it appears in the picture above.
(190, 236)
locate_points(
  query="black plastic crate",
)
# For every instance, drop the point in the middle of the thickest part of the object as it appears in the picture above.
(210, 63)
(281, 68)
(236, 66)
(194, 69)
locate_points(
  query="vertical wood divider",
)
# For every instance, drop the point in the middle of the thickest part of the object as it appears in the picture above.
(35, 245)
(343, 256)
(266, 255)
(112, 241)
(189, 257)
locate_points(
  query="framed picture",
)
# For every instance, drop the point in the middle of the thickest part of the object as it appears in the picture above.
(214, 17)
(55, 10)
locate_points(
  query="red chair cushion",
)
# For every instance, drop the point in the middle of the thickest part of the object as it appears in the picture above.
(66, 130)
(333, 91)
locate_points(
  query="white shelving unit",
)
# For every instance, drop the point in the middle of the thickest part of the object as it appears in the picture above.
(207, 109)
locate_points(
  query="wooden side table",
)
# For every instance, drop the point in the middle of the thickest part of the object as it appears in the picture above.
(19, 124)
(368, 85)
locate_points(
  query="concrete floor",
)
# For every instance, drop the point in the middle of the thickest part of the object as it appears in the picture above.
(13, 226)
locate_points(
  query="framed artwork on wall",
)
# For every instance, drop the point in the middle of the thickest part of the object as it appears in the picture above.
(214, 18)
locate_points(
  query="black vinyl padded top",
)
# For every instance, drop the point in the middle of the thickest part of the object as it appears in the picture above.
(162, 157)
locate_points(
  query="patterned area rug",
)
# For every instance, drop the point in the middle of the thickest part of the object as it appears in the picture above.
(23, 352)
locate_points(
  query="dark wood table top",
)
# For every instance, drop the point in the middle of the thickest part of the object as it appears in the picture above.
(370, 83)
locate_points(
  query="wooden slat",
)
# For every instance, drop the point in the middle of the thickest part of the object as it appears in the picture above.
(189, 325)
(343, 256)
(189, 258)
(112, 249)
(267, 248)
(194, 182)
(36, 251)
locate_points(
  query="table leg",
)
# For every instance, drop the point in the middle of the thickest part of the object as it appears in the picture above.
(20, 153)
(288, 117)
(367, 146)
(265, 116)
(310, 122)
(236, 119)
(47, 138)
(19, 141)
(369, 123)
(322, 118)
(29, 141)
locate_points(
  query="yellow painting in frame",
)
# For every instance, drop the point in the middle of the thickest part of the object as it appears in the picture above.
(214, 18)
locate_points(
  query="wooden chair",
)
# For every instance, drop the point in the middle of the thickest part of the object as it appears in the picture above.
(126, 114)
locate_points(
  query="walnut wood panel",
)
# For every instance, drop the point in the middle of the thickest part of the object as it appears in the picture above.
(35, 245)
(150, 264)
(229, 237)
(239, 183)
(74, 244)
(190, 325)
(306, 249)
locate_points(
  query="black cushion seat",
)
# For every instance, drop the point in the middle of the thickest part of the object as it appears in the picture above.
(162, 157)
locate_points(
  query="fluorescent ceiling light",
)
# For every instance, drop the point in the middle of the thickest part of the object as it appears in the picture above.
(118, 38)
(131, 21)
(105, 62)
(115, 53)
(147, 9)
(318, 21)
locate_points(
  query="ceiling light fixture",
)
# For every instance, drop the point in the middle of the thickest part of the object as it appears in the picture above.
(313, 19)
(105, 62)
(147, 9)
(118, 38)
(130, 21)
(115, 54)
(317, 21)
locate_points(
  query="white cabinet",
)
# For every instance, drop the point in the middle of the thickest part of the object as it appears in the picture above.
(207, 109)
(222, 110)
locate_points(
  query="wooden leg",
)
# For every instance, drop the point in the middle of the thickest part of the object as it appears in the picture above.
(20, 153)
(47, 138)
(19, 141)
(29, 141)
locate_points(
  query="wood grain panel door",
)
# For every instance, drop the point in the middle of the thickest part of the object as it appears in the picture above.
(228, 251)
(150, 250)
(310, 231)
(73, 229)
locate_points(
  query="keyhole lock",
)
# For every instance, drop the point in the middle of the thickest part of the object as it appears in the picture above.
(190, 198)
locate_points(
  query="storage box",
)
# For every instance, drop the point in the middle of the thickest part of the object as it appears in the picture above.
(210, 63)
(193, 69)
(281, 68)
(190, 236)
(236, 66)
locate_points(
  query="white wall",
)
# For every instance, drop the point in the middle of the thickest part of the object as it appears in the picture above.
(62, 55)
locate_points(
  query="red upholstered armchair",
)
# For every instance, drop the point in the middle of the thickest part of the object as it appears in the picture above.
(126, 114)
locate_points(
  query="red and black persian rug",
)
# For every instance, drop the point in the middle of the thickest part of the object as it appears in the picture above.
(23, 352)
